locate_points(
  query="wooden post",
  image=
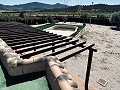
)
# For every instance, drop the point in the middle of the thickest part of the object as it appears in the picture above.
(88, 68)
(53, 50)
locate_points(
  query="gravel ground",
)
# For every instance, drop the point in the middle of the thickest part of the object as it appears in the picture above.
(106, 64)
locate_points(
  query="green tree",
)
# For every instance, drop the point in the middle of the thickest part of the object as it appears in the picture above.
(101, 17)
(21, 14)
(85, 17)
(50, 19)
(115, 19)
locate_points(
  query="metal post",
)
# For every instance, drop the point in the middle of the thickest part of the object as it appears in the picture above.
(88, 68)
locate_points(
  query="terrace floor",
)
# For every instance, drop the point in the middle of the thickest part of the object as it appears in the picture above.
(34, 81)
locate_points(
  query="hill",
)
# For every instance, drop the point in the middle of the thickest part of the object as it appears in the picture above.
(32, 6)
(37, 6)
(96, 7)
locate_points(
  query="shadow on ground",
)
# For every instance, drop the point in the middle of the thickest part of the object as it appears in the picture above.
(12, 80)
(115, 28)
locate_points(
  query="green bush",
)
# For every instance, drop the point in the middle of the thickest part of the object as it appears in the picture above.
(101, 17)
(84, 17)
(115, 19)
(21, 14)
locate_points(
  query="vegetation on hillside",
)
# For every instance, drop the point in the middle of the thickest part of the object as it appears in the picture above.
(95, 7)
(29, 18)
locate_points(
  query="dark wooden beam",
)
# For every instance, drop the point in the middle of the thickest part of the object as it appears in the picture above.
(75, 53)
(47, 49)
(30, 40)
(43, 45)
(37, 42)
(67, 49)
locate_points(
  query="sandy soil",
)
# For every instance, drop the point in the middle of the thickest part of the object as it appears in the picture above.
(106, 61)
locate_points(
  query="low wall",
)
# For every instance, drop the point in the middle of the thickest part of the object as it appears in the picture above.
(58, 76)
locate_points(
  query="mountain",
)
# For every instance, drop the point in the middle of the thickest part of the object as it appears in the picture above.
(4, 7)
(36, 6)
(32, 6)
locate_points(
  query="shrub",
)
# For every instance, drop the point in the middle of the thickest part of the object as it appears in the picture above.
(85, 17)
(50, 19)
(101, 17)
(115, 19)
(21, 14)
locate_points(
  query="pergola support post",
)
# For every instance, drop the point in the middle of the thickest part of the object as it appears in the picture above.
(88, 68)
(53, 50)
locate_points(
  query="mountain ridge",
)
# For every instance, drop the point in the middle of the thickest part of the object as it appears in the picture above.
(37, 6)
(32, 6)
(95, 7)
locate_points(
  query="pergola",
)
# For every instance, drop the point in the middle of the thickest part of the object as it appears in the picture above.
(27, 41)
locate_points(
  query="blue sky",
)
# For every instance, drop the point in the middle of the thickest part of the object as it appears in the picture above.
(68, 2)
